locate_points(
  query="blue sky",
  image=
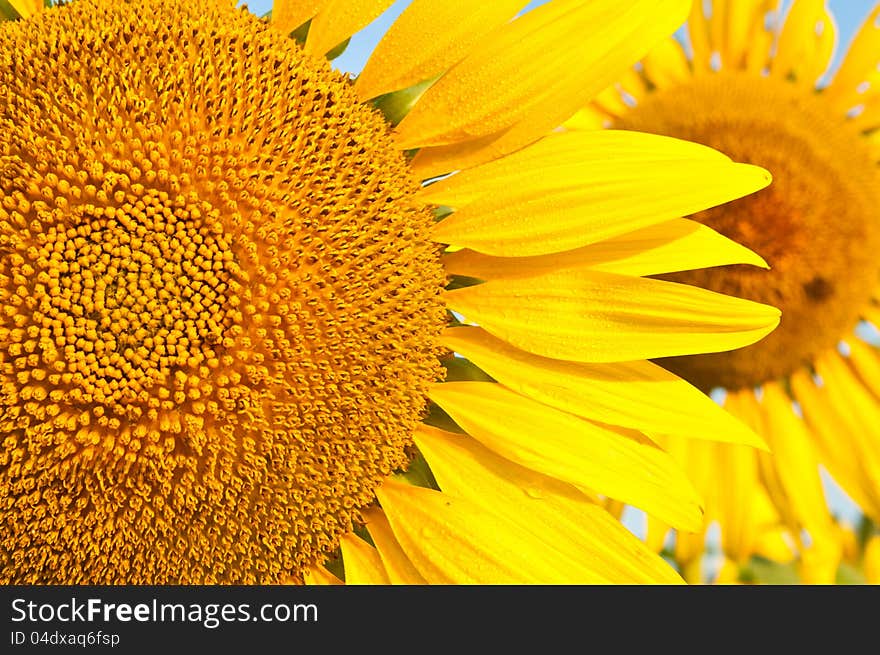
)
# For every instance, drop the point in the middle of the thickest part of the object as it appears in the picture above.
(848, 13)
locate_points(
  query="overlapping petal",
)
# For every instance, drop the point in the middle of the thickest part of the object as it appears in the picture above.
(429, 38)
(603, 317)
(362, 562)
(535, 202)
(397, 565)
(539, 68)
(596, 546)
(666, 63)
(806, 42)
(611, 461)
(287, 15)
(638, 395)
(677, 245)
(336, 20)
(860, 66)
(451, 540)
(19, 8)
(318, 575)
(736, 483)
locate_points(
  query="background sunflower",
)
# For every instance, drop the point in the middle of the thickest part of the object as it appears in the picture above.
(753, 82)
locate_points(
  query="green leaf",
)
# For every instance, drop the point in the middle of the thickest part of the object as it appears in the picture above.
(849, 575)
(765, 571)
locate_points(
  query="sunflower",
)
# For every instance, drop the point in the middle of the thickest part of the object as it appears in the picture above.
(755, 87)
(234, 329)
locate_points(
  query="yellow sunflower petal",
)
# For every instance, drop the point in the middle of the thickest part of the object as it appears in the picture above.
(287, 15)
(773, 541)
(697, 459)
(873, 140)
(666, 64)
(339, 19)
(868, 120)
(610, 101)
(453, 541)
(806, 42)
(851, 397)
(532, 75)
(557, 153)
(363, 566)
(677, 245)
(538, 65)
(857, 408)
(738, 22)
(629, 88)
(656, 533)
(427, 39)
(399, 568)
(699, 37)
(638, 395)
(819, 564)
(591, 316)
(866, 361)
(758, 54)
(598, 548)
(859, 65)
(728, 573)
(587, 118)
(577, 188)
(849, 542)
(736, 479)
(845, 464)
(319, 575)
(795, 462)
(610, 461)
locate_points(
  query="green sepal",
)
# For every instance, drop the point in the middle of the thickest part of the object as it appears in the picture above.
(7, 12)
(439, 419)
(335, 565)
(459, 369)
(442, 211)
(333, 53)
(301, 33)
(397, 104)
(418, 473)
(462, 281)
(865, 530)
(362, 532)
